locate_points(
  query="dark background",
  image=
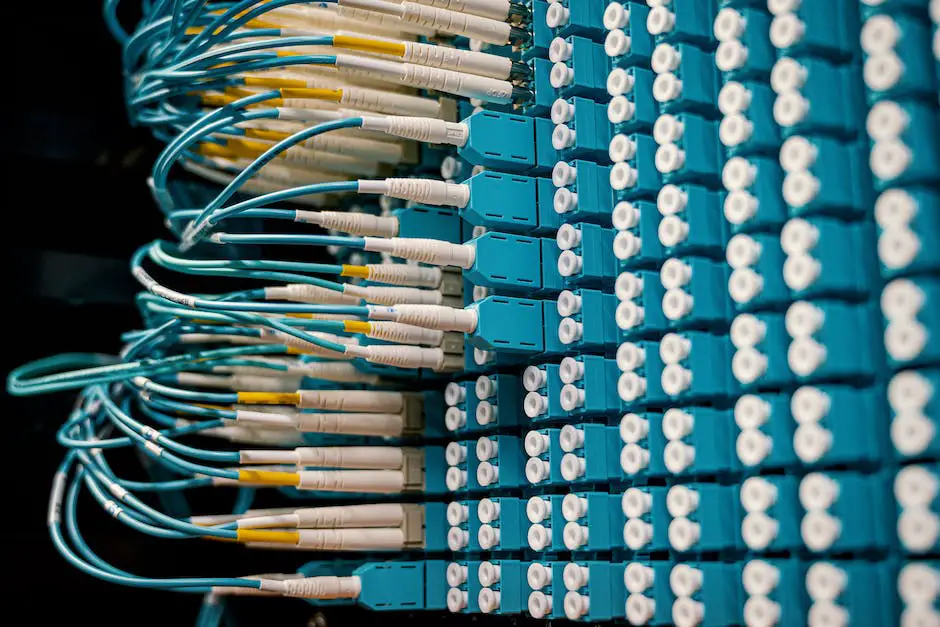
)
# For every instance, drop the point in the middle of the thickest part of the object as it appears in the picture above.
(76, 206)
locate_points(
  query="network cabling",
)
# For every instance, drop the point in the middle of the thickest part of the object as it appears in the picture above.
(285, 102)
(587, 309)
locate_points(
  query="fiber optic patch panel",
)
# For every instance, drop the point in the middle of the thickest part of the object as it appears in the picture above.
(638, 307)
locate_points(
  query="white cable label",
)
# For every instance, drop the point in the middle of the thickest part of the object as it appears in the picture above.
(150, 433)
(55, 499)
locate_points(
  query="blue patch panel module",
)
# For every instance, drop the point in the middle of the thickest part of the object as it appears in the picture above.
(661, 346)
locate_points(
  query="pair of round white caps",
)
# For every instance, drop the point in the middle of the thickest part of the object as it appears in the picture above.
(570, 439)
(488, 574)
(824, 583)
(486, 449)
(483, 388)
(575, 605)
(672, 350)
(455, 418)
(488, 600)
(574, 536)
(574, 577)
